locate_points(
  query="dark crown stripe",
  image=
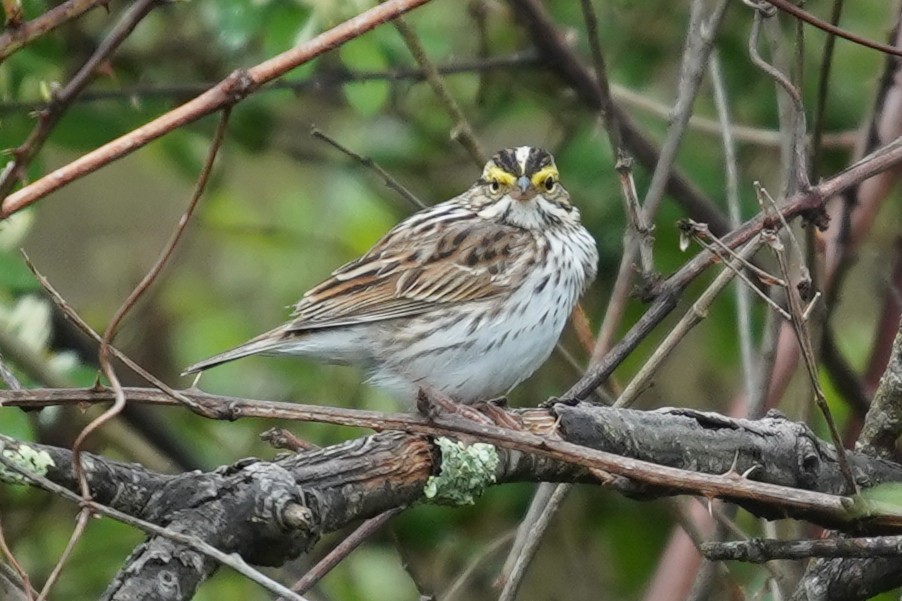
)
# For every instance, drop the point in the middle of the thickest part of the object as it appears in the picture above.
(507, 160)
(537, 159)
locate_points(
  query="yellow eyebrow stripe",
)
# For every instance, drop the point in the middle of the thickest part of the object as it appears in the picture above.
(504, 178)
(538, 178)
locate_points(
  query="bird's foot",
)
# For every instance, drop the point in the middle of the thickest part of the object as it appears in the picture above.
(496, 411)
(432, 404)
(554, 400)
(499, 401)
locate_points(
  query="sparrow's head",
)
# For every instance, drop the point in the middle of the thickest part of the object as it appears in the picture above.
(522, 186)
(521, 172)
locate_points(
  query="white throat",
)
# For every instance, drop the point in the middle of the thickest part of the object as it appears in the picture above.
(529, 214)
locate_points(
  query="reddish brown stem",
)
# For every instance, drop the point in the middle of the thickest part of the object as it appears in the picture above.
(226, 93)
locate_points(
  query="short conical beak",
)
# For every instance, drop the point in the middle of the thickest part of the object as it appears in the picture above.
(523, 190)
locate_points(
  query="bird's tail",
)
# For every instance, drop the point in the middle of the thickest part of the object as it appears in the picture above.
(262, 344)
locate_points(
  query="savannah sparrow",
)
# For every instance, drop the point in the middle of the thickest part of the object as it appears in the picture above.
(467, 297)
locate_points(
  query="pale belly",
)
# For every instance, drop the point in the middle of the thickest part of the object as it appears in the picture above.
(475, 354)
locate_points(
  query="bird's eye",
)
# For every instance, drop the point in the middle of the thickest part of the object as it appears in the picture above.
(550, 183)
(495, 185)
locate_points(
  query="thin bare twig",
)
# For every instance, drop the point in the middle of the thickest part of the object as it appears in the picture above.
(60, 101)
(343, 549)
(669, 291)
(548, 498)
(19, 34)
(703, 26)
(689, 519)
(583, 330)
(699, 42)
(423, 590)
(106, 365)
(462, 131)
(480, 13)
(606, 108)
(226, 93)
(477, 561)
(83, 326)
(329, 79)
(803, 337)
(27, 590)
(227, 559)
(369, 163)
(617, 302)
(728, 525)
(702, 234)
(81, 523)
(731, 169)
(631, 243)
(726, 254)
(798, 169)
(640, 226)
(29, 361)
(537, 531)
(538, 508)
(8, 377)
(566, 64)
(692, 317)
(745, 134)
(804, 15)
(105, 354)
(823, 87)
(678, 561)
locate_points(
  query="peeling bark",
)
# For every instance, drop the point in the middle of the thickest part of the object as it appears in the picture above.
(252, 507)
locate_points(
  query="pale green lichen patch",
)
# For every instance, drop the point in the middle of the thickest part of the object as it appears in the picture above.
(26, 457)
(467, 469)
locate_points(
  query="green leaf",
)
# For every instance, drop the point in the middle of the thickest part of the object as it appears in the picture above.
(17, 424)
(86, 127)
(889, 493)
(14, 229)
(185, 152)
(237, 21)
(284, 25)
(364, 54)
(251, 125)
(14, 275)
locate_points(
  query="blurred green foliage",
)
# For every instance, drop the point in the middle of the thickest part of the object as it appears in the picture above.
(284, 210)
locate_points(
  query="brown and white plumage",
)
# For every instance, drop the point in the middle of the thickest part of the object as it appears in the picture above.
(467, 297)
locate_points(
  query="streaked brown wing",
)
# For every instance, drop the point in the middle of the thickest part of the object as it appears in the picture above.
(411, 270)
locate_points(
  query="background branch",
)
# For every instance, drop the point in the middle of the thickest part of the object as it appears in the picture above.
(226, 93)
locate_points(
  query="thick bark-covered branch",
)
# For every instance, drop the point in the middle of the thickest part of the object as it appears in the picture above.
(884, 420)
(849, 579)
(269, 512)
(775, 449)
